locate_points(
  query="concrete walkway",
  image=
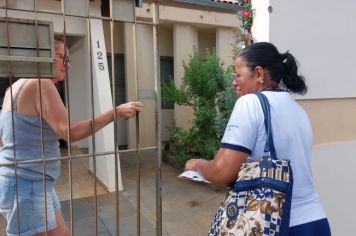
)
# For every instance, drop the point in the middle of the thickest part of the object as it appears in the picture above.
(187, 207)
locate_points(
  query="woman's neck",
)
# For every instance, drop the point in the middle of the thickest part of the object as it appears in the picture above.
(268, 86)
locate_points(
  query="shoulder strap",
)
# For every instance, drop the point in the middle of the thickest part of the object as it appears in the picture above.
(269, 147)
(14, 100)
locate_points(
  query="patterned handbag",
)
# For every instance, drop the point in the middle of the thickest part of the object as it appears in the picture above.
(259, 202)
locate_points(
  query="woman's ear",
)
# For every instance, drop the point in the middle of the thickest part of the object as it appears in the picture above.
(260, 72)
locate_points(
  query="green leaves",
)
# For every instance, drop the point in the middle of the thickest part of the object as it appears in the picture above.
(246, 15)
(206, 87)
(203, 76)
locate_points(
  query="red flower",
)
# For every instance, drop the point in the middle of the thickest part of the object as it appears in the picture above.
(249, 1)
(246, 13)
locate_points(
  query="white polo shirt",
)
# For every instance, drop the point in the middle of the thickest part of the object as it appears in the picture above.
(293, 140)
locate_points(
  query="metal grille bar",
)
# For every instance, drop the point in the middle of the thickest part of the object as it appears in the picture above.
(78, 156)
(41, 120)
(94, 154)
(113, 81)
(69, 150)
(12, 115)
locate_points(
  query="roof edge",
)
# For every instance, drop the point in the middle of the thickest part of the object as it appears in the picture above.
(214, 4)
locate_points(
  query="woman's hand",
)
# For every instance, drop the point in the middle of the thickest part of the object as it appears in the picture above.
(191, 164)
(221, 170)
(128, 110)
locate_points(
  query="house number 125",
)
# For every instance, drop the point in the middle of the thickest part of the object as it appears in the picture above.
(99, 56)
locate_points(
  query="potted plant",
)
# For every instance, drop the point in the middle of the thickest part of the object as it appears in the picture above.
(246, 16)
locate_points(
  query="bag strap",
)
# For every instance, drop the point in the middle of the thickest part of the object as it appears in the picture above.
(269, 147)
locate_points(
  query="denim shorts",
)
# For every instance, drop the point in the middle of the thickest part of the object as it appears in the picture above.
(27, 203)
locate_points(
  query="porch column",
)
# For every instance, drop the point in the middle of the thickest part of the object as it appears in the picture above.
(185, 37)
(142, 86)
(225, 39)
(130, 74)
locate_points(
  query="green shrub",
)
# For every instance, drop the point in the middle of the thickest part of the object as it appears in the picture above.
(206, 88)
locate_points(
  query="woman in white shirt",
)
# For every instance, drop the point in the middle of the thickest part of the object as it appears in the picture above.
(261, 68)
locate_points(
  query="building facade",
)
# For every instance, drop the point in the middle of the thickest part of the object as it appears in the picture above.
(323, 42)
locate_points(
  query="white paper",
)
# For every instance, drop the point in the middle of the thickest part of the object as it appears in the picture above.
(193, 175)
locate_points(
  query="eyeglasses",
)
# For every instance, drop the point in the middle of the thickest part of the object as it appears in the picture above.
(66, 60)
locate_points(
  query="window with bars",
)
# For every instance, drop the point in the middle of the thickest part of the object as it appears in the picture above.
(167, 74)
(119, 69)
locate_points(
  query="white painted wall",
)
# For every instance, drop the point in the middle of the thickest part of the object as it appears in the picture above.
(320, 35)
(260, 29)
(334, 174)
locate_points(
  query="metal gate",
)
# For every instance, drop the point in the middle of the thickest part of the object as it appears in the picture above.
(43, 19)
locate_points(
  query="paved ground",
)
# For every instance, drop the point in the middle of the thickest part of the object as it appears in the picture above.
(187, 207)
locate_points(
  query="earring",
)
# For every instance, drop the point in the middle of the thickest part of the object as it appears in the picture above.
(261, 82)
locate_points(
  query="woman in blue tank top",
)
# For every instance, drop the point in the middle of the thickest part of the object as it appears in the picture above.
(22, 198)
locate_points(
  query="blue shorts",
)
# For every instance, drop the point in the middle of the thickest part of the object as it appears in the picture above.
(30, 205)
(315, 228)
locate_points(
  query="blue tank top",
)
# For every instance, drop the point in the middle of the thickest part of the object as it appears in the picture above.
(28, 145)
